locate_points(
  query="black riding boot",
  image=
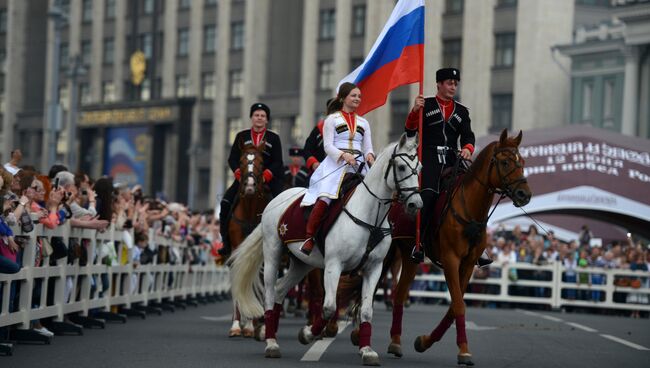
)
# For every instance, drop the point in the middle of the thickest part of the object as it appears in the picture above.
(224, 219)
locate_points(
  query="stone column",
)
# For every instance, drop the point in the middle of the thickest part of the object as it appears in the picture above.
(196, 53)
(218, 154)
(308, 67)
(14, 71)
(630, 91)
(97, 63)
(120, 49)
(342, 39)
(255, 54)
(477, 58)
(169, 51)
(377, 14)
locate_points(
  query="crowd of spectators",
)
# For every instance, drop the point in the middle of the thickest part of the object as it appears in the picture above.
(28, 196)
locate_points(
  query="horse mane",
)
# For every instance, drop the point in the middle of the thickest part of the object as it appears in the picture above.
(480, 161)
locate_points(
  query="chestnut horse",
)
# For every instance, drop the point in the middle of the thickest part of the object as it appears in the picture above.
(251, 200)
(461, 238)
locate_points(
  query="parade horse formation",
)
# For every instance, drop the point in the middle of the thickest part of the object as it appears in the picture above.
(251, 200)
(458, 243)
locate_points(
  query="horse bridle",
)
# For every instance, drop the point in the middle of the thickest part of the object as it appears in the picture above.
(250, 163)
(508, 188)
(401, 197)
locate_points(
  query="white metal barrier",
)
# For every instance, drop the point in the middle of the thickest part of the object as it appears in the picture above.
(100, 286)
(602, 290)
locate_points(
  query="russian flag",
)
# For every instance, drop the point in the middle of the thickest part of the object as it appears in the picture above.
(396, 58)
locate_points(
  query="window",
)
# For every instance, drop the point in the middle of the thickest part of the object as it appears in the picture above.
(146, 45)
(501, 113)
(145, 90)
(208, 86)
(598, 2)
(355, 63)
(184, 4)
(506, 3)
(608, 99)
(327, 24)
(3, 21)
(183, 41)
(210, 38)
(210, 2)
(359, 20)
(587, 100)
(504, 54)
(84, 94)
(204, 182)
(326, 75)
(109, 10)
(182, 86)
(108, 91)
(205, 138)
(86, 52)
(236, 84)
(109, 48)
(237, 36)
(148, 6)
(64, 97)
(454, 6)
(451, 53)
(87, 11)
(235, 125)
(64, 58)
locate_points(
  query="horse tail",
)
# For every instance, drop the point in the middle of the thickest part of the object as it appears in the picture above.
(245, 281)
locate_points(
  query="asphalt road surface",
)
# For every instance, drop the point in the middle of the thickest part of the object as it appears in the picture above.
(197, 337)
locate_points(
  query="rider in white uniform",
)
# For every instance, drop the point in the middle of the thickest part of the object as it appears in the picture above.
(347, 142)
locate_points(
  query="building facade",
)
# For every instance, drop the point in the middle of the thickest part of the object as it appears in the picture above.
(211, 59)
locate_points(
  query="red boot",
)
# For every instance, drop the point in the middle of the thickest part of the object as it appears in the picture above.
(315, 219)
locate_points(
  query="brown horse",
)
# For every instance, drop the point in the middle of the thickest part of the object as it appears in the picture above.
(461, 238)
(251, 200)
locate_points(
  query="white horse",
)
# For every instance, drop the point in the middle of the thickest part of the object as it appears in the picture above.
(346, 247)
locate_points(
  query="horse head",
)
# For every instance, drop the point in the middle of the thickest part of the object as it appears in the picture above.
(251, 166)
(509, 169)
(405, 167)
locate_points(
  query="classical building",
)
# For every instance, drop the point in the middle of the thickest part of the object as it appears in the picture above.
(170, 81)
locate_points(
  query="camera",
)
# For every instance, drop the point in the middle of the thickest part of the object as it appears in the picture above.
(84, 192)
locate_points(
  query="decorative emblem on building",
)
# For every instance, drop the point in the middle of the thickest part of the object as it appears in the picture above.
(138, 64)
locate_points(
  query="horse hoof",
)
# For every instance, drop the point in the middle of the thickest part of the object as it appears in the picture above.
(395, 349)
(234, 332)
(247, 332)
(354, 337)
(465, 359)
(260, 332)
(331, 329)
(369, 356)
(419, 344)
(272, 349)
(305, 336)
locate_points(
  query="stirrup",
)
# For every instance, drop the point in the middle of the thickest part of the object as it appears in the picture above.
(306, 251)
(484, 262)
(417, 255)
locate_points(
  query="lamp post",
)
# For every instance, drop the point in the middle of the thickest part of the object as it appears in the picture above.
(77, 69)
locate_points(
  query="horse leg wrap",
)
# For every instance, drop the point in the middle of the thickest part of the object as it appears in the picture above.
(272, 320)
(315, 311)
(318, 325)
(398, 312)
(365, 330)
(461, 336)
(442, 327)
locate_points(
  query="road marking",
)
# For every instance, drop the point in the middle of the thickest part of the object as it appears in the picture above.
(469, 325)
(318, 348)
(551, 318)
(582, 327)
(224, 318)
(624, 342)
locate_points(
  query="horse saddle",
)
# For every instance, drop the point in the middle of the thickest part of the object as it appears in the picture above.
(292, 225)
(404, 226)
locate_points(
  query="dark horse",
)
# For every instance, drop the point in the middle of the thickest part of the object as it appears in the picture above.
(252, 198)
(461, 239)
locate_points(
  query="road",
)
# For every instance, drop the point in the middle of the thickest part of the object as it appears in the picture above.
(197, 337)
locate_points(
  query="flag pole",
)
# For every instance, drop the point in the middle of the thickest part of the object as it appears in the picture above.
(418, 219)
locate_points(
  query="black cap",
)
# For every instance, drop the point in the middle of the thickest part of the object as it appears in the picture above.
(260, 106)
(447, 73)
(295, 151)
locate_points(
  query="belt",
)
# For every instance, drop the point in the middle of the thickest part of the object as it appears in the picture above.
(352, 151)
